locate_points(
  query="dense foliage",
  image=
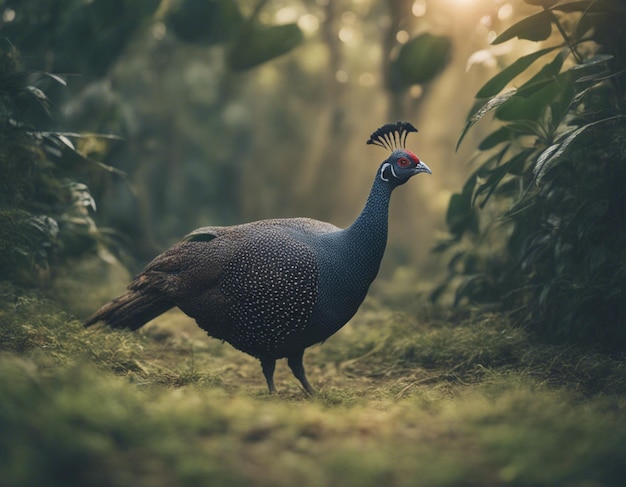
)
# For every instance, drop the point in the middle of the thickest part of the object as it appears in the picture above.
(44, 206)
(539, 225)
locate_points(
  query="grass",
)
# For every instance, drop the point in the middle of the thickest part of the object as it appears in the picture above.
(406, 399)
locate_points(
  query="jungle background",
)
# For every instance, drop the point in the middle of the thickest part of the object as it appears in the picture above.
(490, 349)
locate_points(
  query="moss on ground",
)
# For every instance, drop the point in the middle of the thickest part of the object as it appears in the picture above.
(403, 402)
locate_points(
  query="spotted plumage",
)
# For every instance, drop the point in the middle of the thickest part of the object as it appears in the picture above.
(272, 288)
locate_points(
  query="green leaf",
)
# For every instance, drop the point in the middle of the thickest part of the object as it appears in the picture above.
(537, 27)
(544, 157)
(510, 187)
(531, 107)
(480, 109)
(500, 80)
(553, 154)
(458, 208)
(261, 44)
(512, 166)
(586, 6)
(420, 60)
(507, 132)
(460, 216)
(503, 134)
(592, 62)
(38, 94)
(90, 135)
(444, 245)
(95, 33)
(541, 3)
(206, 22)
(526, 127)
(457, 258)
(545, 75)
(55, 77)
(486, 167)
(562, 104)
(601, 76)
(475, 287)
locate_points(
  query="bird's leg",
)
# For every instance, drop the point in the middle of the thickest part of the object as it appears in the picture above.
(295, 363)
(268, 365)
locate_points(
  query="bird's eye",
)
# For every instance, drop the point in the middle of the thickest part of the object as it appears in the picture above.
(404, 162)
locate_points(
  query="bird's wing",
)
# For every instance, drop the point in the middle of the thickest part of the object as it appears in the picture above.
(242, 284)
(204, 234)
(196, 263)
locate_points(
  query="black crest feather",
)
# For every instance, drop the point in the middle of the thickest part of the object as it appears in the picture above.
(392, 136)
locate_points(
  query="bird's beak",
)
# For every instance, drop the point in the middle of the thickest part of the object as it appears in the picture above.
(421, 167)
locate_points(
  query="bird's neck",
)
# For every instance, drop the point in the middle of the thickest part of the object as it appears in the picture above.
(369, 231)
(354, 255)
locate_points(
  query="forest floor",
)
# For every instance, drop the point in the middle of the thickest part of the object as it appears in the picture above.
(408, 396)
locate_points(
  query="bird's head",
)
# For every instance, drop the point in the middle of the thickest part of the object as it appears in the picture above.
(402, 164)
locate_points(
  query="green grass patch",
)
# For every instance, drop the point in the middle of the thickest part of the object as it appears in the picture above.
(403, 402)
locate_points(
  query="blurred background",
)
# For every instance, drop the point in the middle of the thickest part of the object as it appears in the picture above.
(231, 111)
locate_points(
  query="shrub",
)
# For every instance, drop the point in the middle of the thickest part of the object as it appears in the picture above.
(551, 179)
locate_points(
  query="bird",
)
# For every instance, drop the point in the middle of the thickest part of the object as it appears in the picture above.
(272, 288)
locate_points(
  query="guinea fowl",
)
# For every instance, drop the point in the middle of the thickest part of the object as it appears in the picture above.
(272, 288)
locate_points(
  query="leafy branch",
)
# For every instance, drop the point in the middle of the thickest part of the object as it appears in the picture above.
(552, 173)
(44, 208)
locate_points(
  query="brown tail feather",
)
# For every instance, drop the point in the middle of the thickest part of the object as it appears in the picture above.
(130, 310)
